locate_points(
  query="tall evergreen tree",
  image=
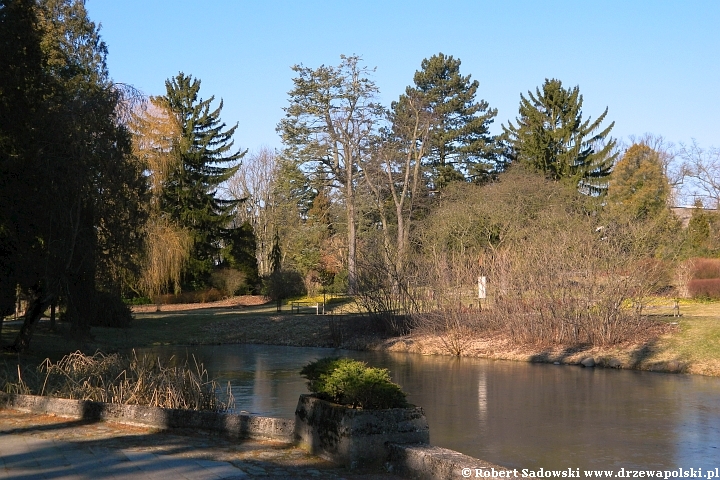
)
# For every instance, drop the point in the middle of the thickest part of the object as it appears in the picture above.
(206, 160)
(239, 253)
(460, 145)
(552, 137)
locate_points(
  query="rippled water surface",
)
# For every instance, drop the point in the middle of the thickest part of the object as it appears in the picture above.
(515, 414)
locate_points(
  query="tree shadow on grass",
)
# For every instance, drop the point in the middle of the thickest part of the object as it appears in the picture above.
(640, 359)
(550, 356)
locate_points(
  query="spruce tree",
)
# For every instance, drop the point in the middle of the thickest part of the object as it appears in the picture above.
(552, 137)
(460, 144)
(206, 160)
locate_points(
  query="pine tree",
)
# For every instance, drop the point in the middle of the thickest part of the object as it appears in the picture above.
(552, 137)
(206, 160)
(700, 236)
(460, 144)
(276, 254)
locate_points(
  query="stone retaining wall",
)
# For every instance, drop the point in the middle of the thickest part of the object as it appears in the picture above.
(417, 461)
(355, 437)
(233, 425)
(425, 462)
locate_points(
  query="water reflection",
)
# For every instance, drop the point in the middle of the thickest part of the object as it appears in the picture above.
(515, 414)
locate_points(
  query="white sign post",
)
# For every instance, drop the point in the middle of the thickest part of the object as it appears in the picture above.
(482, 290)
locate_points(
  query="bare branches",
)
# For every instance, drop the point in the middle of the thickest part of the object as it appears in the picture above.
(167, 246)
(254, 183)
(701, 170)
(330, 121)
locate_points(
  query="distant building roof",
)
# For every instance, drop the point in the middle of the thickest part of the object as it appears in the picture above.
(684, 213)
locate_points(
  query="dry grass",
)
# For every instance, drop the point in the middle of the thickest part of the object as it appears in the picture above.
(122, 380)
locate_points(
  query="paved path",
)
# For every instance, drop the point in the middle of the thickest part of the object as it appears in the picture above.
(42, 446)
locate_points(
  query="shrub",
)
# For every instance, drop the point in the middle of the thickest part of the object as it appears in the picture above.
(230, 281)
(199, 296)
(137, 301)
(705, 268)
(350, 382)
(108, 310)
(283, 284)
(704, 288)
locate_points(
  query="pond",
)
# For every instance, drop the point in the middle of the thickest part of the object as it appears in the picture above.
(515, 414)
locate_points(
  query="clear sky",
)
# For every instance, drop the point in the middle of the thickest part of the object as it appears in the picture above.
(654, 64)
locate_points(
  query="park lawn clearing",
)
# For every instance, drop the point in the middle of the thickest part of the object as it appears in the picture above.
(697, 344)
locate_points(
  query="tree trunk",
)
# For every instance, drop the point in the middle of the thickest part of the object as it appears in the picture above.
(352, 240)
(352, 233)
(39, 301)
(52, 315)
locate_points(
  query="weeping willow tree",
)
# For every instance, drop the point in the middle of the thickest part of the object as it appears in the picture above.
(167, 245)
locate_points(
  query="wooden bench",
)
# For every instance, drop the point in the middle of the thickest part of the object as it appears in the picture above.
(319, 307)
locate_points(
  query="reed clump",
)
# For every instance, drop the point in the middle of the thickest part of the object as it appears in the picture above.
(126, 380)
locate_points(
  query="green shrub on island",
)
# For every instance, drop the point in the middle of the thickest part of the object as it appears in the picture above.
(350, 382)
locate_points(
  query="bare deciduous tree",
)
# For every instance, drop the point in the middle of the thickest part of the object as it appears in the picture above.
(254, 181)
(330, 121)
(394, 173)
(701, 171)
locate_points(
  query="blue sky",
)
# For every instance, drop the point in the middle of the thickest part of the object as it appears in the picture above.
(654, 64)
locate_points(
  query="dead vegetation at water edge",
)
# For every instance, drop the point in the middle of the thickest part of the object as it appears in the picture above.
(126, 380)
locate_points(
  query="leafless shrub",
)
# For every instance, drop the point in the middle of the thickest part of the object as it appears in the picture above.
(557, 271)
(387, 296)
(229, 281)
(456, 328)
(448, 303)
(705, 268)
(568, 284)
(704, 288)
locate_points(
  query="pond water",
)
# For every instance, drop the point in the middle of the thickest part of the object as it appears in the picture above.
(515, 414)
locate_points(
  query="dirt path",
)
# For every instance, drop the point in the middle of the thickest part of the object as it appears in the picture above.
(233, 302)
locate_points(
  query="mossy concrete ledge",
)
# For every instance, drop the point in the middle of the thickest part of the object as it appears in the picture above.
(233, 425)
(356, 437)
(425, 462)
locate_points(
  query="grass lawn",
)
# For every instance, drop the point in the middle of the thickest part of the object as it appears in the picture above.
(698, 342)
(203, 326)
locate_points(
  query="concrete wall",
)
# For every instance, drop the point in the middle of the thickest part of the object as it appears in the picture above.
(384, 442)
(355, 437)
(425, 462)
(233, 425)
